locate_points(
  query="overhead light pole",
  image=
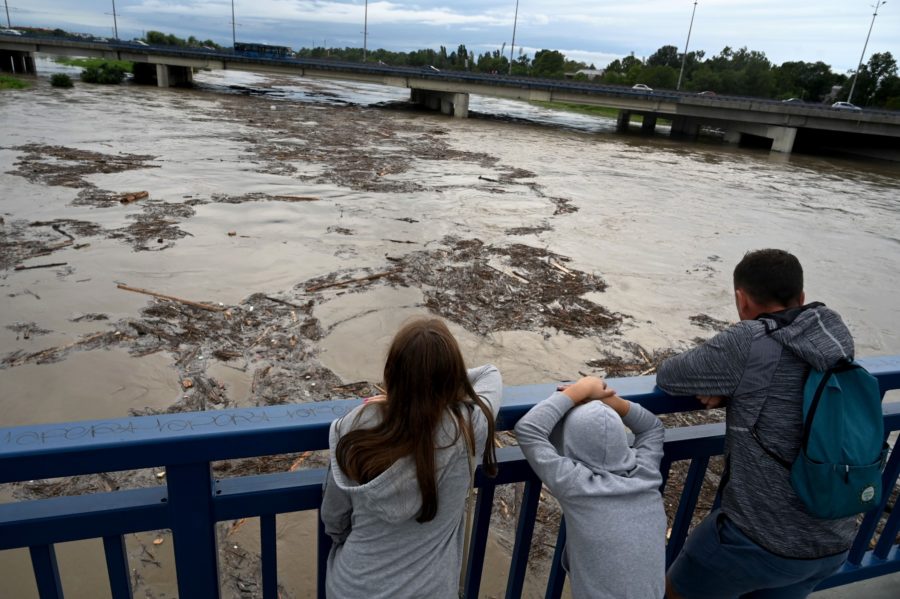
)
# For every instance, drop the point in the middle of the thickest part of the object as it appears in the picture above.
(115, 23)
(686, 44)
(233, 32)
(8, 22)
(365, 30)
(513, 45)
(878, 4)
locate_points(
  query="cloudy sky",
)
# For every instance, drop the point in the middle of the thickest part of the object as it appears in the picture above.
(589, 30)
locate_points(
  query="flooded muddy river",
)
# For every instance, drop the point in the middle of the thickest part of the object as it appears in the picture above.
(313, 218)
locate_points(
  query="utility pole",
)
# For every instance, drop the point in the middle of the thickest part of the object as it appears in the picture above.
(878, 4)
(686, 44)
(233, 32)
(8, 22)
(365, 30)
(115, 23)
(513, 45)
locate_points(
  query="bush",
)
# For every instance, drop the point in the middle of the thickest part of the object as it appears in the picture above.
(104, 73)
(61, 80)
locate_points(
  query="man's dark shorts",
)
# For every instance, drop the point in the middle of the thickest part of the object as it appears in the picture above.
(719, 562)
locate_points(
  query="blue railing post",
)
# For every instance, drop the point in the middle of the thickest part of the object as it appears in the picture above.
(557, 578)
(324, 548)
(524, 531)
(117, 567)
(268, 556)
(686, 505)
(480, 526)
(193, 530)
(46, 572)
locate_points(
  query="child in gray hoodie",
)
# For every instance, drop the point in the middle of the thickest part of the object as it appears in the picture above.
(608, 490)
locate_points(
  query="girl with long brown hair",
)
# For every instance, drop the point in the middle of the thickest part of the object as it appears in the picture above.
(400, 470)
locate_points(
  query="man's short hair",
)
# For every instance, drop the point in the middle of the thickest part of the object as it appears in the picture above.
(770, 277)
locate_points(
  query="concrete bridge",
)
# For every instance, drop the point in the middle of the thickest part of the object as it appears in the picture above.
(768, 123)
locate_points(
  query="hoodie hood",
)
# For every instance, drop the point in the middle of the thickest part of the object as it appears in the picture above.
(814, 333)
(593, 434)
(393, 495)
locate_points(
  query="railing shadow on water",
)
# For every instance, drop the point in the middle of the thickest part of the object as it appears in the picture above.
(192, 501)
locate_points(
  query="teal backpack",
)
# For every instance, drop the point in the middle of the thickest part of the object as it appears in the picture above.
(843, 452)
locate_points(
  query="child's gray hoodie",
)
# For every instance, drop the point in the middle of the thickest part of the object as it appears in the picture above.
(380, 550)
(609, 493)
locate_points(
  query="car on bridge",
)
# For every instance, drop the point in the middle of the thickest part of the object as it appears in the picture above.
(845, 106)
(5, 31)
(641, 87)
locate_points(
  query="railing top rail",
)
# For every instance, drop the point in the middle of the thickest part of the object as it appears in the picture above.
(51, 450)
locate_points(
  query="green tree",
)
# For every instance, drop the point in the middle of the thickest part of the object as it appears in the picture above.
(659, 77)
(61, 80)
(810, 81)
(549, 64)
(106, 73)
(667, 56)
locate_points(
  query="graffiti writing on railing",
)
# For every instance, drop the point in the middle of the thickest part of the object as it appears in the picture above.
(147, 426)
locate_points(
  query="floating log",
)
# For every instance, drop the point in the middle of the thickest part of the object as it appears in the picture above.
(133, 197)
(202, 306)
(51, 265)
(298, 198)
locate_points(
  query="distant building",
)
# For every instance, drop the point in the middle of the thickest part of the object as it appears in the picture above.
(591, 74)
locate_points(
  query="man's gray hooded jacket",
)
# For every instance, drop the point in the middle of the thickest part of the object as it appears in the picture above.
(758, 496)
(380, 551)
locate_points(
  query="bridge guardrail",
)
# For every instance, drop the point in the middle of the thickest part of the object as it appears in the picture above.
(192, 502)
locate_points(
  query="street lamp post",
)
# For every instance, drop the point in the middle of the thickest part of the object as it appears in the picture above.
(686, 44)
(8, 22)
(233, 32)
(513, 45)
(878, 4)
(365, 30)
(115, 23)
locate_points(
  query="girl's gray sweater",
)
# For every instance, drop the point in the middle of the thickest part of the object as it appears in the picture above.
(609, 493)
(380, 550)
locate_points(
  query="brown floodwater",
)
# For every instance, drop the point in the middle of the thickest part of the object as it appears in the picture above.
(661, 222)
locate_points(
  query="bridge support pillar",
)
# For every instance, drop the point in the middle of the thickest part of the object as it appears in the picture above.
(171, 76)
(15, 61)
(782, 137)
(450, 103)
(648, 125)
(623, 121)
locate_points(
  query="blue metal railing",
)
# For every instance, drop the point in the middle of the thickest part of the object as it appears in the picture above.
(192, 501)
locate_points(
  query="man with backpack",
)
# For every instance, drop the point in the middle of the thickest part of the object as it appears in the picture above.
(765, 540)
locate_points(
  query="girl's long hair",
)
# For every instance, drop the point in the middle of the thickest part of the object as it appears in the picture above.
(425, 377)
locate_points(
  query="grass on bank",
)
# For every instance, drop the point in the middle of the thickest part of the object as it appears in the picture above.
(7, 82)
(593, 110)
(95, 63)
